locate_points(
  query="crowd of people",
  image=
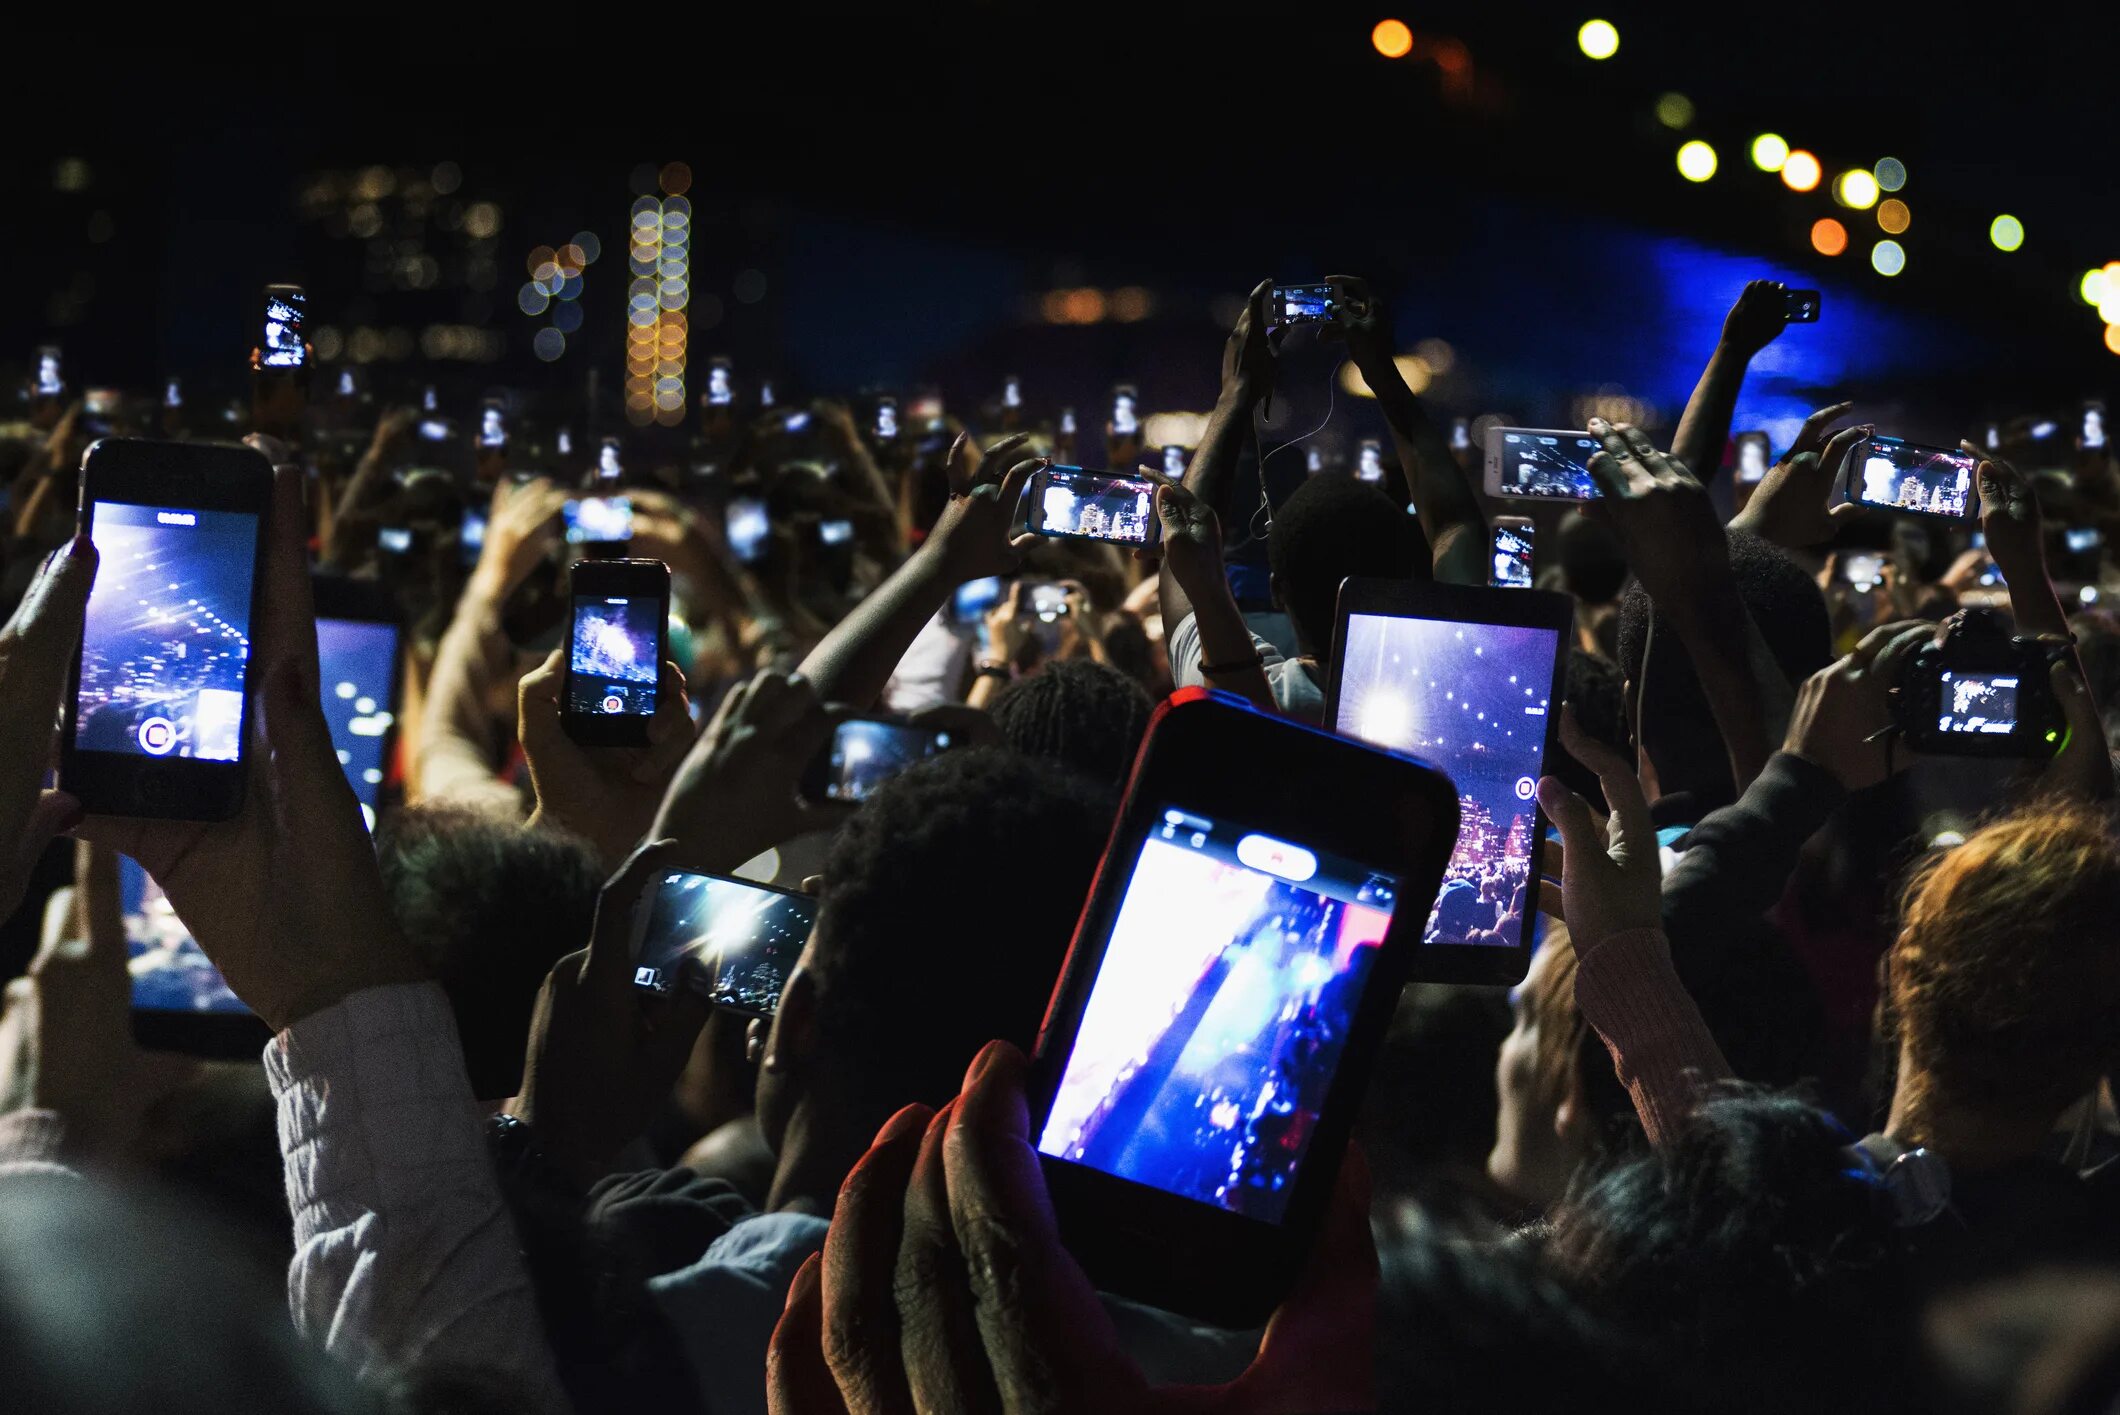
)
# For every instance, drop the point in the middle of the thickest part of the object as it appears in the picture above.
(1805, 1097)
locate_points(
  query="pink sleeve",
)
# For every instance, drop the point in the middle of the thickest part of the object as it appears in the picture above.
(1660, 1044)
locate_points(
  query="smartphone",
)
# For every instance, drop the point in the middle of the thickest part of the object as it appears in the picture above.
(607, 464)
(1460, 435)
(1301, 304)
(1862, 569)
(471, 536)
(1313, 460)
(2093, 434)
(1126, 411)
(1994, 437)
(1011, 392)
(173, 393)
(1468, 679)
(359, 638)
(563, 443)
(835, 532)
(864, 753)
(1541, 464)
(49, 382)
(394, 540)
(433, 429)
(747, 528)
(1753, 457)
(429, 399)
(347, 387)
(766, 397)
(1896, 475)
(2084, 539)
(1067, 422)
(1174, 463)
(282, 345)
(598, 520)
(975, 599)
(492, 424)
(1511, 563)
(1049, 602)
(1799, 306)
(732, 941)
(98, 407)
(797, 421)
(1069, 503)
(886, 419)
(155, 722)
(1369, 461)
(721, 390)
(1229, 985)
(617, 624)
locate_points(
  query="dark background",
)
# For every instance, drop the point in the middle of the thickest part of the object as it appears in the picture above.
(910, 180)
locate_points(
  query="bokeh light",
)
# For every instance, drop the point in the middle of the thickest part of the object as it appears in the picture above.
(1769, 151)
(548, 344)
(1392, 39)
(2007, 232)
(1696, 161)
(1855, 188)
(2112, 337)
(1674, 110)
(1598, 38)
(1888, 258)
(1800, 171)
(2092, 287)
(1891, 173)
(1893, 216)
(1828, 237)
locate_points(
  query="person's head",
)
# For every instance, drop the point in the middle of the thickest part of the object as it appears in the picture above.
(1679, 738)
(1078, 712)
(1333, 528)
(490, 906)
(1543, 1127)
(1753, 1237)
(947, 904)
(2004, 982)
(1593, 565)
(1598, 696)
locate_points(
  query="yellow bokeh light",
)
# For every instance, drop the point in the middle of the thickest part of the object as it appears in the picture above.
(1392, 39)
(1599, 39)
(1769, 151)
(1893, 216)
(1696, 161)
(2007, 232)
(1800, 171)
(1855, 188)
(2092, 287)
(1674, 110)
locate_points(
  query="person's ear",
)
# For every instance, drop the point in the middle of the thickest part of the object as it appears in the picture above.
(1572, 1124)
(789, 1042)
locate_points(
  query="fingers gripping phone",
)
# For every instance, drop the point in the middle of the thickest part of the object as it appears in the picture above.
(157, 716)
(1302, 304)
(730, 940)
(617, 623)
(1069, 503)
(1223, 1000)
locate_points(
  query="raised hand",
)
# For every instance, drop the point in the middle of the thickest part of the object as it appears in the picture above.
(1843, 712)
(735, 795)
(606, 795)
(1672, 537)
(36, 653)
(1613, 884)
(1247, 355)
(518, 529)
(972, 534)
(1757, 319)
(1792, 506)
(1192, 541)
(2009, 517)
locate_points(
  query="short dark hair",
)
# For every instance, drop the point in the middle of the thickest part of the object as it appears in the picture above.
(948, 903)
(1335, 527)
(1078, 712)
(490, 906)
(1678, 729)
(1598, 696)
(1593, 565)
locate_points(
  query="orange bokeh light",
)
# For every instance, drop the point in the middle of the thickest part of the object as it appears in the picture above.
(1800, 171)
(1392, 39)
(2112, 337)
(1893, 216)
(1828, 237)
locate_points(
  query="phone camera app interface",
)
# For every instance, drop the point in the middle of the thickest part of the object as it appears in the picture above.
(1546, 464)
(1219, 1014)
(613, 658)
(1978, 704)
(1915, 478)
(1078, 503)
(1303, 304)
(283, 331)
(735, 941)
(167, 637)
(867, 754)
(1512, 559)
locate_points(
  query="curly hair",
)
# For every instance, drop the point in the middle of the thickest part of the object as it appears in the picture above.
(1331, 528)
(2005, 977)
(948, 904)
(1080, 713)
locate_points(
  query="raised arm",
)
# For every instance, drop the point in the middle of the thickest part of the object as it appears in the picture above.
(1446, 504)
(1704, 428)
(970, 541)
(1247, 377)
(2016, 537)
(367, 488)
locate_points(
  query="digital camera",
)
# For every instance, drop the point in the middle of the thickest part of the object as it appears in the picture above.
(1979, 692)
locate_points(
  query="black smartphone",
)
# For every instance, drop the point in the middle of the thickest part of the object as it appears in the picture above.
(1301, 304)
(797, 421)
(394, 540)
(2093, 433)
(1510, 568)
(766, 397)
(1799, 306)
(1174, 463)
(173, 393)
(282, 344)
(835, 532)
(608, 467)
(1068, 503)
(864, 753)
(598, 520)
(887, 419)
(1126, 411)
(1369, 461)
(1229, 984)
(721, 386)
(180, 1001)
(1067, 422)
(1861, 569)
(155, 722)
(1460, 435)
(49, 381)
(1541, 464)
(617, 627)
(732, 941)
(99, 410)
(493, 424)
(747, 528)
(1466, 678)
(1893, 474)
(359, 638)
(1754, 456)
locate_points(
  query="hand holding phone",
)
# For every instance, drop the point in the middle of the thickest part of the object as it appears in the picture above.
(1069, 503)
(617, 640)
(282, 343)
(1288, 305)
(1893, 474)
(1541, 464)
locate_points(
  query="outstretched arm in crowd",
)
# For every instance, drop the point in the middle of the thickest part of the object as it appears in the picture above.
(1192, 570)
(970, 541)
(1443, 496)
(1625, 983)
(1247, 377)
(460, 746)
(1704, 428)
(1679, 553)
(353, 522)
(405, 1258)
